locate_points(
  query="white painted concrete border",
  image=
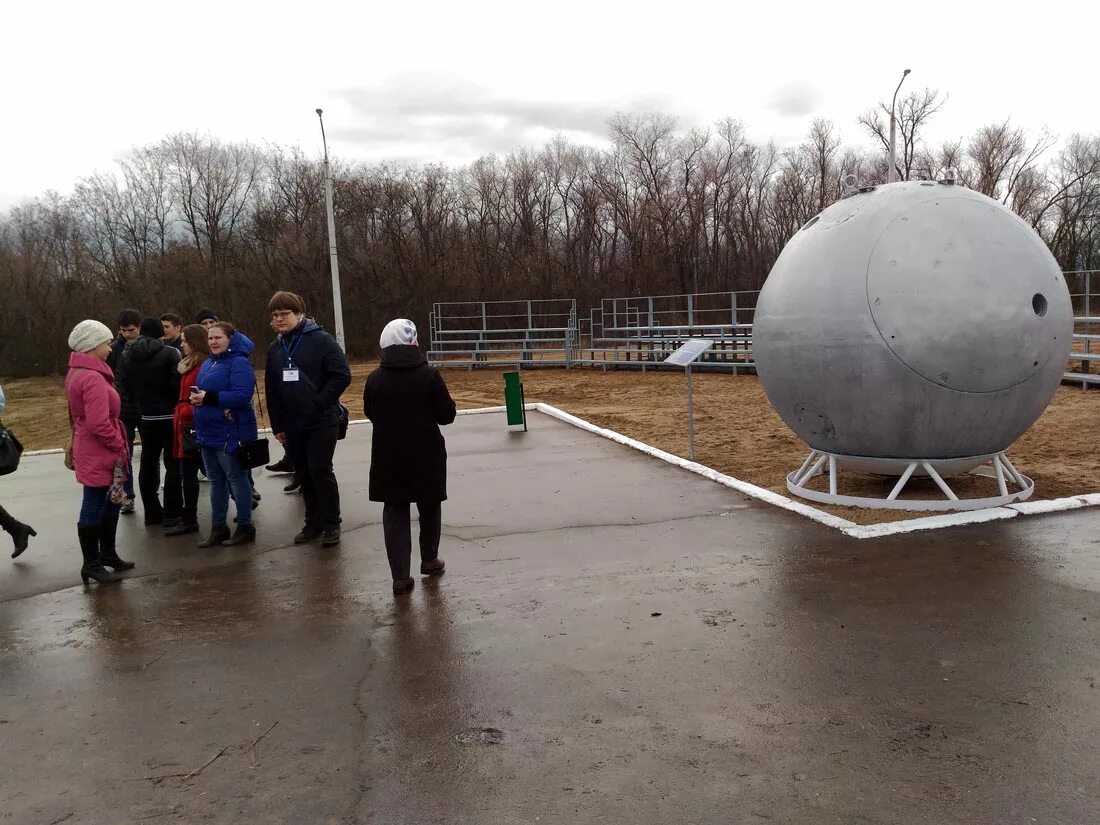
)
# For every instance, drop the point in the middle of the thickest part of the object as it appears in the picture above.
(849, 528)
(727, 481)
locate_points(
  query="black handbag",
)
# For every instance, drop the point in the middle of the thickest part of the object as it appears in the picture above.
(189, 441)
(10, 451)
(253, 454)
(345, 418)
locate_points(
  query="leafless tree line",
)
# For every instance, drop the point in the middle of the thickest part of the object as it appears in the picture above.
(193, 221)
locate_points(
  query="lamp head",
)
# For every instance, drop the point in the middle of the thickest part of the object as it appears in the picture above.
(320, 110)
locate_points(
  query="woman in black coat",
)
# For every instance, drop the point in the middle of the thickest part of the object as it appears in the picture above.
(406, 401)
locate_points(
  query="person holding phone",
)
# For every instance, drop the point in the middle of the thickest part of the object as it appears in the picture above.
(224, 417)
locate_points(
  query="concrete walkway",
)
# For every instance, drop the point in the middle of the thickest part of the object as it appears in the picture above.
(615, 640)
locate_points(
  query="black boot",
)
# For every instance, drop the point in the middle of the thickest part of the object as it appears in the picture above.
(188, 524)
(217, 536)
(89, 547)
(108, 555)
(244, 534)
(20, 532)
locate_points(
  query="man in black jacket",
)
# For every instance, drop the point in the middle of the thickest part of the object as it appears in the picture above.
(306, 373)
(173, 330)
(154, 382)
(129, 321)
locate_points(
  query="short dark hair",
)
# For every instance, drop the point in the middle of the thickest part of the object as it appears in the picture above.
(172, 318)
(152, 328)
(288, 302)
(129, 318)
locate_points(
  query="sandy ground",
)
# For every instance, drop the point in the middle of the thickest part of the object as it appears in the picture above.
(737, 432)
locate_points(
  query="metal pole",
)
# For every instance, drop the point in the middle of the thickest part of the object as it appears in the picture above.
(892, 173)
(337, 299)
(691, 418)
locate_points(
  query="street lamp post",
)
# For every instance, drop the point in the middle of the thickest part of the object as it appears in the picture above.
(892, 172)
(337, 301)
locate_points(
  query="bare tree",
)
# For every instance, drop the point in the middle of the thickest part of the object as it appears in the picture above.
(912, 115)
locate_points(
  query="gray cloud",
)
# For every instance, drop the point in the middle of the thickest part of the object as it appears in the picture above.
(796, 99)
(471, 120)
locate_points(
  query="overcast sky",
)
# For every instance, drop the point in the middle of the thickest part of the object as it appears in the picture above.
(426, 81)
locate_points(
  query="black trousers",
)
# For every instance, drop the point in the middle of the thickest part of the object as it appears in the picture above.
(7, 521)
(131, 434)
(157, 438)
(396, 525)
(311, 453)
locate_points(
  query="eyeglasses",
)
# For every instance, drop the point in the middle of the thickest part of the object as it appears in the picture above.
(280, 314)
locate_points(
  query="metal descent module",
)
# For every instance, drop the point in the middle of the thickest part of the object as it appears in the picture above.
(913, 328)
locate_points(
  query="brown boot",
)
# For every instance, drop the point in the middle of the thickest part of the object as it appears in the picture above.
(432, 568)
(402, 586)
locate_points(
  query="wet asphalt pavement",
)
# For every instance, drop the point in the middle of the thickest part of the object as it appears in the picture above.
(615, 640)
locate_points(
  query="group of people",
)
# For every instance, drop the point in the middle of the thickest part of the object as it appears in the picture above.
(188, 392)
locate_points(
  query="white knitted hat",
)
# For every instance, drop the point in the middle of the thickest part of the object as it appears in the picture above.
(398, 331)
(87, 335)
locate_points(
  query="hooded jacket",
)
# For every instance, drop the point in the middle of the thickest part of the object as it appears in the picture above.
(152, 379)
(226, 417)
(313, 401)
(99, 439)
(407, 401)
(119, 362)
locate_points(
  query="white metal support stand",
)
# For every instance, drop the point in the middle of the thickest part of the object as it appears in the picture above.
(996, 466)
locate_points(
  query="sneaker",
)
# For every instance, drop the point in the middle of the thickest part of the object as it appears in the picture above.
(330, 537)
(127, 507)
(255, 500)
(295, 486)
(283, 465)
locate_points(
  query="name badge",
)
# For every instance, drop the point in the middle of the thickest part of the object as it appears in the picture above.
(290, 375)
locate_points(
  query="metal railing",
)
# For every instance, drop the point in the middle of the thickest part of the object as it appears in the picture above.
(504, 333)
(641, 332)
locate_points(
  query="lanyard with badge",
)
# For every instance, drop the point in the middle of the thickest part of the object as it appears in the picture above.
(290, 372)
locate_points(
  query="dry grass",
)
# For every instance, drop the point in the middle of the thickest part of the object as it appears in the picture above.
(737, 432)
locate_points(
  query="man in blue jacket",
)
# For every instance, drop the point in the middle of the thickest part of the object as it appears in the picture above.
(306, 373)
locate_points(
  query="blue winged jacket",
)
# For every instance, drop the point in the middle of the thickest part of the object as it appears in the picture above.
(226, 417)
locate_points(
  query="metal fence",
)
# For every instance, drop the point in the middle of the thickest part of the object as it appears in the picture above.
(641, 332)
(1086, 326)
(504, 333)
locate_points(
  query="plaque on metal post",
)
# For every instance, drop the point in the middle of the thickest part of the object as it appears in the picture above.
(689, 352)
(684, 357)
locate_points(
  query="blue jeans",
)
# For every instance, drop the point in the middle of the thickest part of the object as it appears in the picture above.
(95, 506)
(224, 471)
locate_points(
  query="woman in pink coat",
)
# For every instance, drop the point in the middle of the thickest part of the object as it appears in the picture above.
(100, 448)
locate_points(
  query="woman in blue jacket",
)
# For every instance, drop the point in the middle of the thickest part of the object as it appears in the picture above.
(224, 418)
